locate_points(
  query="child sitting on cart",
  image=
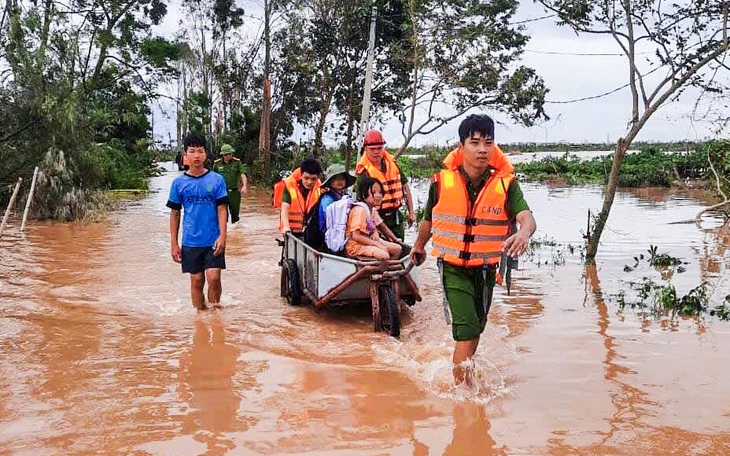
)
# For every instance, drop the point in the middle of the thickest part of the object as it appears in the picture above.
(362, 225)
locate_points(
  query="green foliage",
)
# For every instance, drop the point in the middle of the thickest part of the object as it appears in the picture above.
(661, 260)
(723, 310)
(650, 167)
(75, 100)
(662, 297)
(426, 164)
(160, 53)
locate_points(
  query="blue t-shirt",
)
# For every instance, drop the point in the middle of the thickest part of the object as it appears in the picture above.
(199, 197)
(326, 199)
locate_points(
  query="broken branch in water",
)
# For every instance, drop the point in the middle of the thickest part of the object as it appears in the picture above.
(698, 217)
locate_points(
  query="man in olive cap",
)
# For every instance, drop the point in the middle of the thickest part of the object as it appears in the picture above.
(234, 172)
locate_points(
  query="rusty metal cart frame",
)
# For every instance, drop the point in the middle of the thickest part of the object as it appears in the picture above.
(326, 279)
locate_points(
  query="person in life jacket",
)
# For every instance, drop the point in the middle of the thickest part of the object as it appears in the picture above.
(279, 187)
(471, 205)
(378, 163)
(301, 193)
(337, 181)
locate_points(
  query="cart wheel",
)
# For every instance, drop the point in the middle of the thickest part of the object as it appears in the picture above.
(389, 307)
(290, 288)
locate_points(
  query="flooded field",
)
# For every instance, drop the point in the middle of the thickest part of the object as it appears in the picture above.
(102, 352)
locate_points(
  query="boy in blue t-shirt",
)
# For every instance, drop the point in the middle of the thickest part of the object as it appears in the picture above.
(204, 197)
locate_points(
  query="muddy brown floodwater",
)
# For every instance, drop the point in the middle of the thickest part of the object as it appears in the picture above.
(102, 352)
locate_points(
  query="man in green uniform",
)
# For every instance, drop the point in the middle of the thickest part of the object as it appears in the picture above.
(234, 172)
(470, 206)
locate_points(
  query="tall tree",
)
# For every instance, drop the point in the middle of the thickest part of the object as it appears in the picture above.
(459, 55)
(322, 52)
(74, 73)
(669, 47)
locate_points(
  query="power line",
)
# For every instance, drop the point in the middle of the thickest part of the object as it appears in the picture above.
(593, 97)
(535, 19)
(576, 100)
(584, 54)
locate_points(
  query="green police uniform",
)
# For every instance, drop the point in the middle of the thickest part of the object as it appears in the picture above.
(231, 172)
(469, 290)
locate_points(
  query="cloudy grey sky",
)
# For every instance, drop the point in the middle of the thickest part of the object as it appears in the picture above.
(573, 68)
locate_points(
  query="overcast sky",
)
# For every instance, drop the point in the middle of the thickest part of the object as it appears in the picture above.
(572, 67)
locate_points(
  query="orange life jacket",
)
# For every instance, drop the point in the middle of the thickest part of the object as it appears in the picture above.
(279, 187)
(471, 236)
(299, 206)
(391, 180)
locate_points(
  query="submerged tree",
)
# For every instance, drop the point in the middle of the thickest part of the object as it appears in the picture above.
(669, 47)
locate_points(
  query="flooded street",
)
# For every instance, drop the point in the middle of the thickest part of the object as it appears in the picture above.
(103, 353)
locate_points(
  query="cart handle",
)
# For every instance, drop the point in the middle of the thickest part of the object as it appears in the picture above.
(393, 274)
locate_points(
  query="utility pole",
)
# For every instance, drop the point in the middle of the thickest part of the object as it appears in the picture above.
(365, 114)
(264, 125)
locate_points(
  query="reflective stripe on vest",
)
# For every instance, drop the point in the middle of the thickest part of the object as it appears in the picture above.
(299, 207)
(391, 180)
(470, 236)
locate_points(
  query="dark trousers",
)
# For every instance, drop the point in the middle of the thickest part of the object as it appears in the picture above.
(234, 203)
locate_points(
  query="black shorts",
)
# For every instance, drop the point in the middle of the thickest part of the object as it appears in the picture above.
(197, 259)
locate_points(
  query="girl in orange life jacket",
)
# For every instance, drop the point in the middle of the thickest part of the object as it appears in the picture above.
(362, 225)
(302, 192)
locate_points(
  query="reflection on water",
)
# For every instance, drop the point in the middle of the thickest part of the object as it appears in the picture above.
(471, 431)
(103, 354)
(206, 385)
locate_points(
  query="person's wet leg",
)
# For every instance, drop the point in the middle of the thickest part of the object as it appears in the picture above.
(215, 288)
(463, 354)
(197, 282)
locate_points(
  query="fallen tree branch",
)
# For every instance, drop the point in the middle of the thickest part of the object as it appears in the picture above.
(719, 190)
(698, 217)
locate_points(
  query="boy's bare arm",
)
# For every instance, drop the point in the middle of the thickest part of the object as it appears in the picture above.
(220, 243)
(174, 232)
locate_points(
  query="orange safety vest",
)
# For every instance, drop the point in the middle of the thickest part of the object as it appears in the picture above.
(279, 187)
(469, 236)
(299, 207)
(391, 180)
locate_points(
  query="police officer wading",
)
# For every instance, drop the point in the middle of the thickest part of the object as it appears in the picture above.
(234, 173)
(472, 209)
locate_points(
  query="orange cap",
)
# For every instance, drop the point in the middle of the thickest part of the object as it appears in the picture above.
(374, 138)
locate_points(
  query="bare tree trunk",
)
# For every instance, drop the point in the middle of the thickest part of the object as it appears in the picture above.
(600, 223)
(618, 157)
